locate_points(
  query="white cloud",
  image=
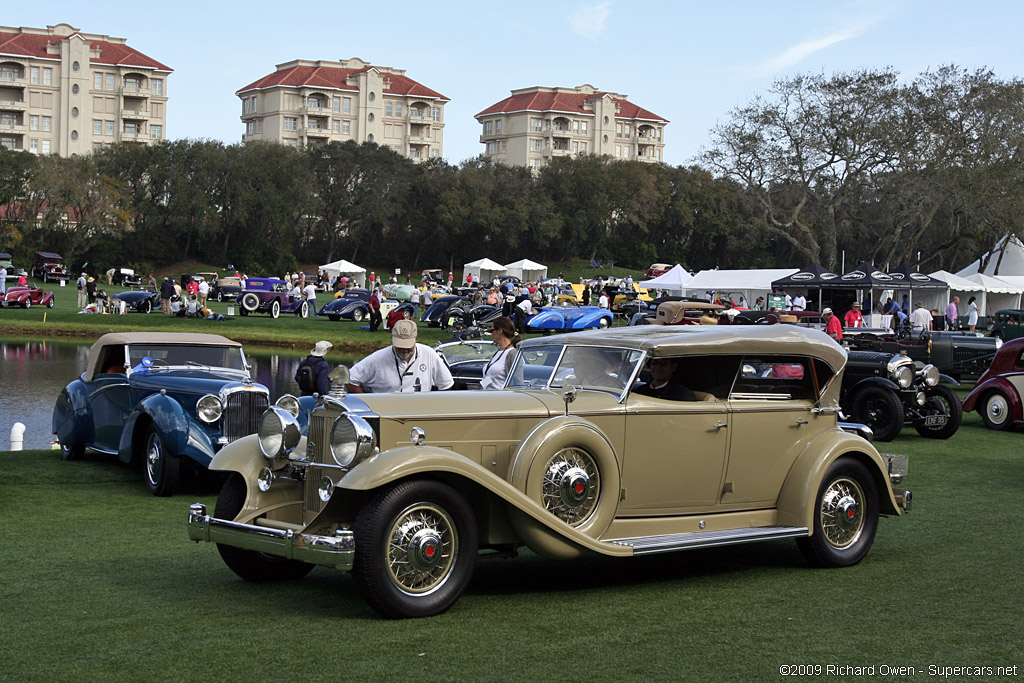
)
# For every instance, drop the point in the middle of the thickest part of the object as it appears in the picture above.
(796, 54)
(589, 22)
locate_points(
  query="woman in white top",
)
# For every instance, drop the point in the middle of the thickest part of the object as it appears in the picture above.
(972, 313)
(503, 332)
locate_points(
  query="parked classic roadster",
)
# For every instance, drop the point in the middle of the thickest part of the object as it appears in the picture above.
(49, 266)
(954, 353)
(569, 316)
(354, 304)
(140, 300)
(160, 399)
(999, 394)
(270, 295)
(403, 490)
(26, 297)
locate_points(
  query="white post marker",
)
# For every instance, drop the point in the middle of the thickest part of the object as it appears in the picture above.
(17, 436)
(231, 310)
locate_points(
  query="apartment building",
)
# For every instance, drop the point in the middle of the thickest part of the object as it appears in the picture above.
(533, 125)
(313, 102)
(66, 92)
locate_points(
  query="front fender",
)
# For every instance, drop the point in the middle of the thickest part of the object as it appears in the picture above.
(408, 461)
(798, 499)
(181, 433)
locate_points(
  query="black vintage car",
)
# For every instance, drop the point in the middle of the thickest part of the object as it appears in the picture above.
(436, 310)
(886, 391)
(956, 354)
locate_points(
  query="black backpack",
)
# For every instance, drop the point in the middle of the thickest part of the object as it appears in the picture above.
(306, 377)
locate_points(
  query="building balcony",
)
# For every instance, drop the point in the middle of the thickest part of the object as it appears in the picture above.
(132, 135)
(647, 140)
(317, 132)
(135, 91)
(316, 111)
(7, 128)
(559, 132)
(556, 152)
(13, 105)
(418, 139)
(8, 80)
(136, 114)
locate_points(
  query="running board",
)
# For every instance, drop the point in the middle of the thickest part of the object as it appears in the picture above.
(646, 545)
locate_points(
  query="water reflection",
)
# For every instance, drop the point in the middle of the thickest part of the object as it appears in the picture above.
(33, 373)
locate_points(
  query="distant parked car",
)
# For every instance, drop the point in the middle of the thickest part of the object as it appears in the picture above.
(49, 266)
(998, 396)
(954, 353)
(354, 304)
(139, 300)
(26, 297)
(569, 316)
(124, 277)
(160, 399)
(434, 315)
(225, 288)
(7, 262)
(1007, 324)
(657, 269)
(270, 295)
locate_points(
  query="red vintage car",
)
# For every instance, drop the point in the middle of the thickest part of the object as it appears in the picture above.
(999, 394)
(27, 296)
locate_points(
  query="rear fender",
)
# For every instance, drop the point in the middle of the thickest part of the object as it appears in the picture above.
(797, 501)
(71, 421)
(994, 383)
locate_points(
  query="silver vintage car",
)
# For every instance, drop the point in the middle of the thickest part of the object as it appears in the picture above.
(623, 442)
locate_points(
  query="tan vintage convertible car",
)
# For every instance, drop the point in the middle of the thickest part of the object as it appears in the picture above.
(623, 442)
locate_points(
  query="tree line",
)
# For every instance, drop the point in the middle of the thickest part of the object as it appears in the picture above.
(820, 167)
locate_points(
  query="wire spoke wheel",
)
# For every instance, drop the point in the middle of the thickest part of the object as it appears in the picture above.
(422, 546)
(842, 513)
(571, 486)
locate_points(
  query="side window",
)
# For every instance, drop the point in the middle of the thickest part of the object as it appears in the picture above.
(774, 378)
(702, 374)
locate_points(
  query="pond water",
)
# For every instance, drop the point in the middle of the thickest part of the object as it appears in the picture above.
(33, 373)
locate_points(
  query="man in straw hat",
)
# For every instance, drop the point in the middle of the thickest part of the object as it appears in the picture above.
(405, 366)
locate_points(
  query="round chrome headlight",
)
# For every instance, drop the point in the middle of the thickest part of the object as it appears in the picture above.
(289, 403)
(921, 398)
(326, 489)
(352, 439)
(265, 479)
(209, 409)
(279, 432)
(930, 373)
(904, 376)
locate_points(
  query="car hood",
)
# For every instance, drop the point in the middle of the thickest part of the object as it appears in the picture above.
(464, 405)
(189, 381)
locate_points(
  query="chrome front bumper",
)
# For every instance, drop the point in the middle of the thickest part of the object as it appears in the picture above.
(336, 551)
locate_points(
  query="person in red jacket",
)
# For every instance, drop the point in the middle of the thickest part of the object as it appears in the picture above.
(853, 317)
(833, 327)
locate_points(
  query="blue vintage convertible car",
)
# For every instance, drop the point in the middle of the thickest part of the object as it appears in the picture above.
(354, 304)
(568, 316)
(161, 399)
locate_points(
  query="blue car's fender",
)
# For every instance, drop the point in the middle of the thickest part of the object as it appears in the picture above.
(71, 421)
(180, 432)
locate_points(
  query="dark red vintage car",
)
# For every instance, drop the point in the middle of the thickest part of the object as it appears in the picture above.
(27, 296)
(49, 266)
(999, 393)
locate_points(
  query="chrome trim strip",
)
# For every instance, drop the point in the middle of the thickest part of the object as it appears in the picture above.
(336, 551)
(648, 545)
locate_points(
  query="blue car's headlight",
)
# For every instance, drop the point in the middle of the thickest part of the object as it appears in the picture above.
(209, 408)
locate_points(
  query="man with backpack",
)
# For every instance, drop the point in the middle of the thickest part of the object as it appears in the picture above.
(313, 370)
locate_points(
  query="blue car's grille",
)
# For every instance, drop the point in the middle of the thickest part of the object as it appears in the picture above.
(242, 413)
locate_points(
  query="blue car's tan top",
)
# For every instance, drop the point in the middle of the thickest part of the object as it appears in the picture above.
(121, 338)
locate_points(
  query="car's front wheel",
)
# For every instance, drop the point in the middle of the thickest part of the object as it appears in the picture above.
(845, 516)
(334, 318)
(995, 411)
(358, 315)
(144, 306)
(50, 303)
(161, 468)
(249, 564)
(881, 410)
(604, 323)
(416, 549)
(71, 451)
(26, 304)
(941, 401)
(275, 309)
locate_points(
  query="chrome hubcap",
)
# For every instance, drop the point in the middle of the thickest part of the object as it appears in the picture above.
(153, 460)
(842, 513)
(422, 547)
(997, 409)
(571, 486)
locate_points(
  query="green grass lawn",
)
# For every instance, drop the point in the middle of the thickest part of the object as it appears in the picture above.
(99, 582)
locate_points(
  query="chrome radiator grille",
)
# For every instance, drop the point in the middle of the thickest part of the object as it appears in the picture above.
(318, 438)
(242, 413)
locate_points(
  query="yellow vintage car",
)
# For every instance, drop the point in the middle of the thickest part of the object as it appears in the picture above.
(623, 442)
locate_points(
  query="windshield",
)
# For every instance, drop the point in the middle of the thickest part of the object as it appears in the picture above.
(582, 366)
(188, 355)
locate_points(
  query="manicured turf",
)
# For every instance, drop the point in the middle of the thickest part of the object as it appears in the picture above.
(99, 582)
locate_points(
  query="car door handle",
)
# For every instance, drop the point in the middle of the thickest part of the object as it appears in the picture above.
(720, 425)
(800, 421)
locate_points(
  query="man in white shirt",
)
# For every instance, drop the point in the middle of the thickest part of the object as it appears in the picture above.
(789, 300)
(604, 302)
(414, 299)
(3, 279)
(405, 366)
(799, 303)
(204, 291)
(309, 292)
(921, 319)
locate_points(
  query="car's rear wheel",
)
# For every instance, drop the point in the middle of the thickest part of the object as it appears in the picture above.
(417, 545)
(604, 323)
(220, 296)
(358, 315)
(275, 309)
(304, 309)
(941, 401)
(334, 318)
(250, 302)
(995, 411)
(881, 410)
(145, 306)
(845, 516)
(50, 302)
(71, 451)
(249, 564)
(160, 468)
(26, 304)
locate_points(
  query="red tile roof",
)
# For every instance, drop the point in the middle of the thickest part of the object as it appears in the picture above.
(544, 101)
(336, 77)
(34, 45)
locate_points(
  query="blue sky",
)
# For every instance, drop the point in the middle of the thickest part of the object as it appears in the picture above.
(690, 62)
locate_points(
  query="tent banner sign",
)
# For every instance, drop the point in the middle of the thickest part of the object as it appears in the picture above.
(777, 302)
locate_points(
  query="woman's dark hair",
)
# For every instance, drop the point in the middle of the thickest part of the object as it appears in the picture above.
(971, 300)
(505, 326)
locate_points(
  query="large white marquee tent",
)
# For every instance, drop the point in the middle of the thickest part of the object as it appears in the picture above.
(526, 270)
(343, 267)
(484, 269)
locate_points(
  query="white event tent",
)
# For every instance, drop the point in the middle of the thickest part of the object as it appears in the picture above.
(527, 270)
(958, 286)
(999, 293)
(732, 283)
(343, 267)
(674, 280)
(483, 269)
(1010, 261)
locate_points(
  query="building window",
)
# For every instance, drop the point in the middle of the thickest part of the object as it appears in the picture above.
(156, 132)
(74, 112)
(536, 125)
(33, 75)
(575, 147)
(47, 123)
(97, 80)
(387, 109)
(575, 126)
(435, 153)
(259, 125)
(535, 164)
(45, 146)
(74, 135)
(369, 138)
(625, 150)
(131, 129)
(583, 147)
(497, 127)
(490, 148)
(583, 127)
(47, 76)
(346, 127)
(291, 123)
(74, 66)
(97, 127)
(398, 108)
(435, 113)
(502, 146)
(33, 122)
(618, 130)
(336, 104)
(487, 127)
(535, 144)
(335, 126)
(33, 146)
(618, 151)
(245, 106)
(109, 128)
(346, 105)
(74, 89)
(369, 117)
(110, 82)
(290, 142)
(157, 85)
(371, 96)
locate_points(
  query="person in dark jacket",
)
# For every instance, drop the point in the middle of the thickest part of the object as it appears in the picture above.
(312, 372)
(166, 292)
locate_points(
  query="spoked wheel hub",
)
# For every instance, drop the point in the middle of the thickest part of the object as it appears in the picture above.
(422, 547)
(571, 486)
(842, 517)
